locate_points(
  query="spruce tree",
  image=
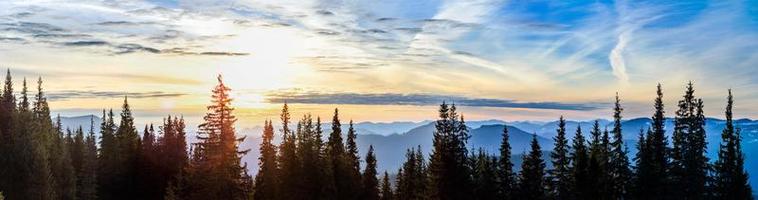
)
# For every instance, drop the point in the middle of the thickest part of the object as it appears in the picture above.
(731, 180)
(449, 168)
(107, 158)
(61, 167)
(266, 179)
(561, 173)
(532, 185)
(386, 188)
(288, 159)
(484, 176)
(370, 183)
(28, 172)
(353, 161)
(88, 175)
(215, 170)
(619, 162)
(598, 163)
(339, 165)
(506, 177)
(689, 162)
(656, 155)
(412, 177)
(580, 166)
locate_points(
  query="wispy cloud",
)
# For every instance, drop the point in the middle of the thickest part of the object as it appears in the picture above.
(90, 94)
(416, 99)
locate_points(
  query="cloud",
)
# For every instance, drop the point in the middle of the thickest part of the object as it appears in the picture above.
(86, 43)
(62, 95)
(415, 99)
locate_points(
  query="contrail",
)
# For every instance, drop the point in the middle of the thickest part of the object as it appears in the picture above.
(616, 57)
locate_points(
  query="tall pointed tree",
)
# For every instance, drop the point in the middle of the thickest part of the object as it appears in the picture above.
(215, 171)
(484, 173)
(266, 179)
(386, 188)
(619, 162)
(88, 176)
(506, 176)
(340, 168)
(449, 168)
(370, 182)
(689, 162)
(561, 173)
(353, 160)
(731, 180)
(580, 167)
(532, 185)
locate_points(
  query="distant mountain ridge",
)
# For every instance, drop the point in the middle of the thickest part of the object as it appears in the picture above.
(392, 139)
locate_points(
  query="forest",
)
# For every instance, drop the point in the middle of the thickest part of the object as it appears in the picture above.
(40, 159)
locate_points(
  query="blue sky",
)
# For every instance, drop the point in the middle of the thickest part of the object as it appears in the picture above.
(537, 59)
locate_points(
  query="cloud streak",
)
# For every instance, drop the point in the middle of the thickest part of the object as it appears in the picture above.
(417, 100)
(63, 95)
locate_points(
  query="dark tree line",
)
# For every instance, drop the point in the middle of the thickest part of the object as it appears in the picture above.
(40, 159)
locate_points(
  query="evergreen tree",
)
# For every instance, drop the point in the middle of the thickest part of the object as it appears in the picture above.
(78, 150)
(484, 176)
(107, 158)
(412, 177)
(580, 166)
(28, 172)
(506, 177)
(731, 180)
(643, 165)
(532, 185)
(61, 167)
(341, 168)
(619, 162)
(215, 170)
(449, 168)
(370, 183)
(689, 162)
(353, 160)
(87, 189)
(289, 164)
(598, 163)
(652, 158)
(561, 173)
(386, 188)
(266, 179)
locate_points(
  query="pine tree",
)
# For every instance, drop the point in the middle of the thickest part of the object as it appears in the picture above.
(386, 188)
(61, 167)
(289, 165)
(88, 176)
(730, 181)
(340, 168)
(107, 158)
(449, 168)
(506, 177)
(580, 166)
(484, 176)
(689, 162)
(643, 167)
(561, 174)
(353, 160)
(78, 151)
(266, 179)
(412, 177)
(598, 163)
(370, 183)
(653, 162)
(27, 164)
(619, 162)
(532, 185)
(215, 170)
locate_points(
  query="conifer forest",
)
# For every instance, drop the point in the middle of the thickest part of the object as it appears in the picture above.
(40, 159)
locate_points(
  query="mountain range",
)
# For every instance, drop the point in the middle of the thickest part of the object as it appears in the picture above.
(392, 139)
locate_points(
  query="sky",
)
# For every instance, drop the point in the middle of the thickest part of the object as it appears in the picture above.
(391, 60)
